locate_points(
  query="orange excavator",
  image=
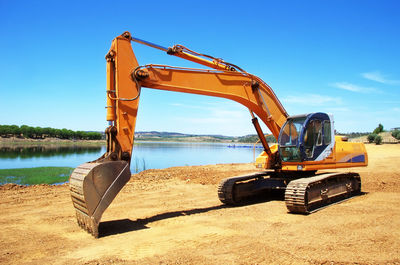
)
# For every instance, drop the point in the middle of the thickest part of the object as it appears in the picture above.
(305, 143)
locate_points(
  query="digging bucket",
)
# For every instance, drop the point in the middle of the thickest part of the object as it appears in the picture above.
(93, 187)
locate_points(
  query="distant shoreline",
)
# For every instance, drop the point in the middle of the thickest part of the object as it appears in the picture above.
(13, 141)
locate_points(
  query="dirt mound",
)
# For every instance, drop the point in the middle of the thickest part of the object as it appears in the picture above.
(211, 174)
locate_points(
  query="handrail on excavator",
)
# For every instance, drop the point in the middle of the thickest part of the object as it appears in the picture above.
(254, 146)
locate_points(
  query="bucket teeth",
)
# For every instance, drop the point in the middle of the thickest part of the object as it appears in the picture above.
(86, 223)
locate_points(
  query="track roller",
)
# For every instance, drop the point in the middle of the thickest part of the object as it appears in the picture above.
(307, 195)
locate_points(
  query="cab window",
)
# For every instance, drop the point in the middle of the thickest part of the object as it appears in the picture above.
(327, 132)
(312, 137)
(291, 132)
(289, 140)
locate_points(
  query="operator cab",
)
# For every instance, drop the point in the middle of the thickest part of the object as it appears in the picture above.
(308, 137)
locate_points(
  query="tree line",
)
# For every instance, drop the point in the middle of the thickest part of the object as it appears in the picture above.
(252, 138)
(30, 132)
(352, 134)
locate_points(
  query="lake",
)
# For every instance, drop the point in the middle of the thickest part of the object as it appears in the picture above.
(146, 155)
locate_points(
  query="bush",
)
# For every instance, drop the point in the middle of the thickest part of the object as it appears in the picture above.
(378, 139)
(396, 134)
(371, 137)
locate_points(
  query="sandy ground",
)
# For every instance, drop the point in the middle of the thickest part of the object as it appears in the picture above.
(173, 216)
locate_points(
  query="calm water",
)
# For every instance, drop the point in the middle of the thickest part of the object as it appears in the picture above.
(145, 155)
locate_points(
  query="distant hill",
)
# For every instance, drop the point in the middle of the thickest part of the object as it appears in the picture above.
(181, 137)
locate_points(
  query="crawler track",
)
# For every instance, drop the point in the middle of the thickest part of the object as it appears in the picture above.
(307, 195)
(233, 190)
(226, 189)
(302, 195)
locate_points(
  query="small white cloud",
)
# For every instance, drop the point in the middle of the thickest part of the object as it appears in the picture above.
(374, 76)
(353, 87)
(312, 100)
(379, 77)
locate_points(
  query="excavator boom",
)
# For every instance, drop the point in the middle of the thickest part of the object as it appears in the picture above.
(95, 184)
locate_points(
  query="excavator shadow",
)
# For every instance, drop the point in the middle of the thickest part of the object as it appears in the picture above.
(273, 195)
(121, 226)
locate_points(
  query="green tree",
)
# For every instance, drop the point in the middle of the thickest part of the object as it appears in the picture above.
(15, 130)
(46, 131)
(57, 133)
(94, 136)
(3, 130)
(10, 130)
(378, 129)
(53, 132)
(31, 132)
(79, 135)
(38, 132)
(24, 130)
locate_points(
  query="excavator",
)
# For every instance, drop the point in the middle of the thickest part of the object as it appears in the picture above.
(306, 144)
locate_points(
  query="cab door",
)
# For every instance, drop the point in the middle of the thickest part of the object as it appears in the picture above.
(316, 138)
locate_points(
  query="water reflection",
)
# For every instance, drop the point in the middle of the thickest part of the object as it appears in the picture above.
(145, 155)
(45, 151)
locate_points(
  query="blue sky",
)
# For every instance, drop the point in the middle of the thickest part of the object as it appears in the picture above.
(340, 57)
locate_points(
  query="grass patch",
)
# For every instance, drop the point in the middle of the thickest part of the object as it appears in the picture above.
(35, 175)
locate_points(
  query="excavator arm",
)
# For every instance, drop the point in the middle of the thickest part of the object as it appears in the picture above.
(125, 78)
(95, 184)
